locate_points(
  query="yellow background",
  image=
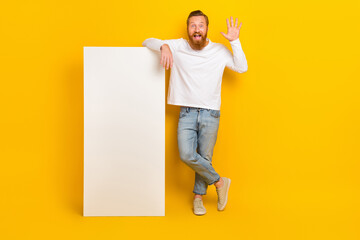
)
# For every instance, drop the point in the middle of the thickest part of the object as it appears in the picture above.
(288, 136)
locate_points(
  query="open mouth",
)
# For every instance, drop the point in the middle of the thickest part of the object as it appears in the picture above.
(197, 36)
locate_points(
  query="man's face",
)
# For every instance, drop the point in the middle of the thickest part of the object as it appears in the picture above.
(197, 30)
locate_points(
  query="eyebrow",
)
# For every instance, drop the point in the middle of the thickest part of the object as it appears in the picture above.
(194, 22)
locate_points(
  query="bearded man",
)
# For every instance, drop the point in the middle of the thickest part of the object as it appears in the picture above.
(197, 65)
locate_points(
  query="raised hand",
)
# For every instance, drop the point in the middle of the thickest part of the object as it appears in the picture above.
(233, 31)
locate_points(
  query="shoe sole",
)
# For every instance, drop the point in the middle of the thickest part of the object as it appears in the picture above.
(227, 193)
(199, 214)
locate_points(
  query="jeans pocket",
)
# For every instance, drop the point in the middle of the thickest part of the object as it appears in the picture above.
(215, 113)
(183, 113)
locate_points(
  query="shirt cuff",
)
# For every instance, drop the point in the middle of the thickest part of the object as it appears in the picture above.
(235, 41)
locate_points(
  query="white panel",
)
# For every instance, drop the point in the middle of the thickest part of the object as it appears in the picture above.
(124, 132)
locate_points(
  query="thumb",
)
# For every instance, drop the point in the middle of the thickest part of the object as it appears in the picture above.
(223, 34)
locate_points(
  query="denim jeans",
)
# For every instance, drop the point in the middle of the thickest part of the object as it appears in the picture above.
(197, 133)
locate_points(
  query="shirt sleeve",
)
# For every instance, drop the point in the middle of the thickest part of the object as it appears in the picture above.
(155, 44)
(236, 61)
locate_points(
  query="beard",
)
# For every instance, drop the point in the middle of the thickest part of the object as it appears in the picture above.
(198, 43)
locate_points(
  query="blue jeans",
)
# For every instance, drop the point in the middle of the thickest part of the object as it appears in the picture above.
(197, 130)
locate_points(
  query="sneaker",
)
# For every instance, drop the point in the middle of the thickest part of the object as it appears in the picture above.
(199, 208)
(222, 193)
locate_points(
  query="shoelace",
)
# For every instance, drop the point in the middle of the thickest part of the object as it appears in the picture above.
(198, 204)
(220, 195)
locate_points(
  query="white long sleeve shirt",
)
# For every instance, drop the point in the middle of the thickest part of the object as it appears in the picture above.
(196, 75)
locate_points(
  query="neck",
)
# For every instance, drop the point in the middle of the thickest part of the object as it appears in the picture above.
(198, 46)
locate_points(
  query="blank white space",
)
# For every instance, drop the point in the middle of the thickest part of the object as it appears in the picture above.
(124, 132)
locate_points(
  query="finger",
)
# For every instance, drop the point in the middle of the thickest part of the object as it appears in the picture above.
(228, 24)
(240, 25)
(167, 62)
(236, 23)
(232, 21)
(171, 62)
(225, 35)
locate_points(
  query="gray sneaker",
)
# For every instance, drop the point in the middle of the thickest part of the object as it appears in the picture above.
(199, 208)
(223, 193)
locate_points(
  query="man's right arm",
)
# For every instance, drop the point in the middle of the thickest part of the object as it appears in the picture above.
(153, 43)
(160, 46)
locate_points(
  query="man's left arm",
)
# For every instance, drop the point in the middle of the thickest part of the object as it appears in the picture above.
(237, 60)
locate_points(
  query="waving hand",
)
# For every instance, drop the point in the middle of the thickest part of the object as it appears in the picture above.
(233, 31)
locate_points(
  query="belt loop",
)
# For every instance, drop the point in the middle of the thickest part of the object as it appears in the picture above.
(187, 109)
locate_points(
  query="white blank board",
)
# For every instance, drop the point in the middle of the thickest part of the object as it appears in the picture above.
(124, 132)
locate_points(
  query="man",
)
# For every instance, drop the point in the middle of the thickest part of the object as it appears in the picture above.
(197, 66)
